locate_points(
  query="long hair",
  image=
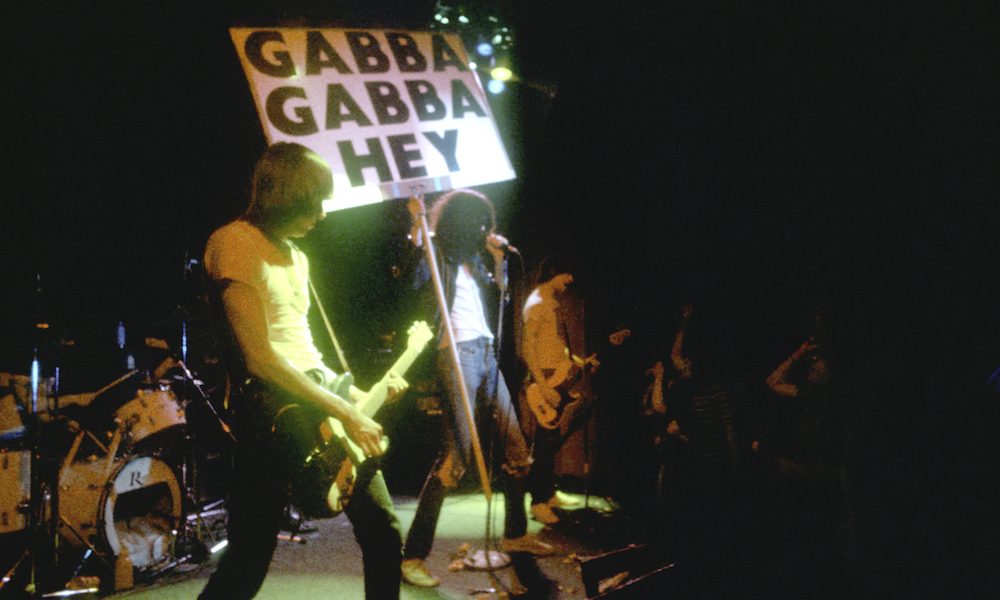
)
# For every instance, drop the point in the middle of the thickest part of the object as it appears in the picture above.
(461, 219)
(552, 265)
(288, 180)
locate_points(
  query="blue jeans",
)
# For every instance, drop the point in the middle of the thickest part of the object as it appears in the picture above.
(487, 388)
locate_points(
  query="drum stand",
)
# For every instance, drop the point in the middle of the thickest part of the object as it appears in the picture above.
(195, 534)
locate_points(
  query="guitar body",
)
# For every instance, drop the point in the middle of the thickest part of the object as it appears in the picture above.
(331, 466)
(572, 382)
(573, 388)
(328, 464)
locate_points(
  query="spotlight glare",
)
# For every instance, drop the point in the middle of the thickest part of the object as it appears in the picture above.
(445, 20)
(501, 74)
(495, 86)
(473, 66)
(484, 49)
(219, 546)
(463, 19)
(497, 39)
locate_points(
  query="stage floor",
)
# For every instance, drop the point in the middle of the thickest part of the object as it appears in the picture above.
(328, 564)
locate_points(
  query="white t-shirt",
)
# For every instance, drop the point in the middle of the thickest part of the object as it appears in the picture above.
(545, 342)
(240, 252)
(468, 319)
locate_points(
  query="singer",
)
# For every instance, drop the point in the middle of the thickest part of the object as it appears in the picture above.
(463, 222)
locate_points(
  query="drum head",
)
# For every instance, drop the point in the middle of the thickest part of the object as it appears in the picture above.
(150, 413)
(135, 510)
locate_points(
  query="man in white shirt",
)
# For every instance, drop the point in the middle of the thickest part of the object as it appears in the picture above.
(261, 281)
(463, 222)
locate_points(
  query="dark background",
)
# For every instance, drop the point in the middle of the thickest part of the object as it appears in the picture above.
(766, 160)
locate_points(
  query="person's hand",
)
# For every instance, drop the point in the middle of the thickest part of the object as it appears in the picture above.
(396, 386)
(805, 348)
(656, 370)
(618, 337)
(682, 365)
(494, 244)
(364, 432)
(551, 396)
(416, 207)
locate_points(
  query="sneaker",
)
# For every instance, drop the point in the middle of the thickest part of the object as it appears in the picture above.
(415, 573)
(542, 513)
(526, 543)
(561, 500)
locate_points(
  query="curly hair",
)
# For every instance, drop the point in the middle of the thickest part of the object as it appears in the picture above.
(461, 219)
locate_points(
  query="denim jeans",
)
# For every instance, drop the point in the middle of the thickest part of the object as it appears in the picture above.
(487, 388)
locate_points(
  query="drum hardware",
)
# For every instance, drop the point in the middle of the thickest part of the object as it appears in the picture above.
(149, 413)
(195, 529)
(128, 509)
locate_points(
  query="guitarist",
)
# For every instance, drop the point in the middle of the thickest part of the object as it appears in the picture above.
(547, 356)
(261, 280)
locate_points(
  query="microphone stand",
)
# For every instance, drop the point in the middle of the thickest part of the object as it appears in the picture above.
(419, 214)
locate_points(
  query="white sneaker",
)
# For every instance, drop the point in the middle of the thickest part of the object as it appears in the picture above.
(561, 500)
(415, 572)
(542, 513)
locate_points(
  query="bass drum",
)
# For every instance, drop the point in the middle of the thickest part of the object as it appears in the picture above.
(132, 505)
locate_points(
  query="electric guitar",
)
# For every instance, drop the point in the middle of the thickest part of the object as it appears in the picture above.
(571, 381)
(332, 465)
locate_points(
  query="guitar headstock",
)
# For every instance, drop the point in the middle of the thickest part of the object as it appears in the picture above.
(419, 334)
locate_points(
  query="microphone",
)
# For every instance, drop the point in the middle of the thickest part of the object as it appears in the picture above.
(498, 241)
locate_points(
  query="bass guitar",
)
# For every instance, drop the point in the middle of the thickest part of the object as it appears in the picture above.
(332, 464)
(571, 383)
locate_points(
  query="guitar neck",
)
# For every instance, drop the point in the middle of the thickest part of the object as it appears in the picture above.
(380, 391)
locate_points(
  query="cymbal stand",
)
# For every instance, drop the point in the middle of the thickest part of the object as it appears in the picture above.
(43, 505)
(193, 527)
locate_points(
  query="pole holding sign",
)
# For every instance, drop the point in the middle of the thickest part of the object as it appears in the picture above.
(390, 111)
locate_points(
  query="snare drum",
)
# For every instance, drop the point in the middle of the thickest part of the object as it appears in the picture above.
(150, 412)
(132, 504)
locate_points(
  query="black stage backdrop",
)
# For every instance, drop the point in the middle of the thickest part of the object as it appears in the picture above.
(767, 160)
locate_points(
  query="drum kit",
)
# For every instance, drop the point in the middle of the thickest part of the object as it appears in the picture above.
(103, 487)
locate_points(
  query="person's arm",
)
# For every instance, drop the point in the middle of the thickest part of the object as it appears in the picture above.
(680, 363)
(248, 319)
(778, 380)
(654, 393)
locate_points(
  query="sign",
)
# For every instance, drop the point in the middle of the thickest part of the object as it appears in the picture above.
(395, 113)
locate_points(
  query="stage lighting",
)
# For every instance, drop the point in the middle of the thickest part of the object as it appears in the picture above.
(495, 86)
(501, 73)
(484, 49)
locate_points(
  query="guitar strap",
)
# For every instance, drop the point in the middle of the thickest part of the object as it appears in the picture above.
(561, 315)
(329, 328)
